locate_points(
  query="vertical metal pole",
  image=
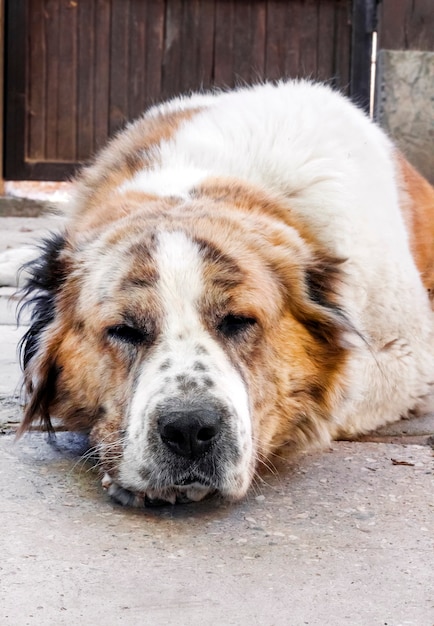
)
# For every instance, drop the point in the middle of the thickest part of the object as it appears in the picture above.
(364, 23)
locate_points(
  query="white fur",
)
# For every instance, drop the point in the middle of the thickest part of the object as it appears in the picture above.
(11, 264)
(174, 182)
(336, 170)
(180, 288)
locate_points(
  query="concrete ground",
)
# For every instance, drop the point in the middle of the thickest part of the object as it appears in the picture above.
(339, 537)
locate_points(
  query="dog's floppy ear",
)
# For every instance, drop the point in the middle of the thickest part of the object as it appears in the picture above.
(328, 321)
(47, 274)
(314, 302)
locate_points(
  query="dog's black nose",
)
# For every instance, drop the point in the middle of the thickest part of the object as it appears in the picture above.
(190, 433)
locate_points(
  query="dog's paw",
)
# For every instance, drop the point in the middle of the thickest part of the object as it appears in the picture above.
(11, 263)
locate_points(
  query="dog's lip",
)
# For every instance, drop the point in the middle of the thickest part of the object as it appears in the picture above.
(181, 494)
(193, 479)
(185, 484)
(189, 481)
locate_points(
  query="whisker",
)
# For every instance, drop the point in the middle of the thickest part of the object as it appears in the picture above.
(104, 447)
(268, 466)
(260, 481)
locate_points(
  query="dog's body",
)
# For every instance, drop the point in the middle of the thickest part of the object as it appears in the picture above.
(241, 271)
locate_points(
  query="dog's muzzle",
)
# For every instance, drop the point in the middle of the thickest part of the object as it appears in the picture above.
(191, 448)
(193, 441)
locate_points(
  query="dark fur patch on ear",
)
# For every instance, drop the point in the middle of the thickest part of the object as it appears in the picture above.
(40, 399)
(47, 274)
(321, 284)
(321, 281)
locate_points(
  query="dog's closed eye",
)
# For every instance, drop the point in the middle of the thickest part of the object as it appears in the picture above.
(128, 334)
(232, 326)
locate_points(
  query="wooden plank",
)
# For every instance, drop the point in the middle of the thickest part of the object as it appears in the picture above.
(189, 45)
(291, 48)
(67, 83)
(249, 41)
(51, 14)
(154, 51)
(206, 55)
(324, 47)
(283, 35)
(258, 27)
(392, 20)
(16, 17)
(242, 42)
(172, 49)
(136, 58)
(308, 39)
(197, 44)
(274, 55)
(2, 51)
(224, 43)
(101, 89)
(46, 170)
(406, 25)
(36, 82)
(420, 25)
(119, 64)
(342, 44)
(85, 79)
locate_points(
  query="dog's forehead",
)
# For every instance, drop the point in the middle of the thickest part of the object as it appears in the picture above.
(169, 262)
(179, 266)
(162, 268)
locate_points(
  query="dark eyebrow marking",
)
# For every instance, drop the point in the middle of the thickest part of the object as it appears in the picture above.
(227, 271)
(214, 255)
(138, 281)
(140, 276)
(140, 250)
(142, 271)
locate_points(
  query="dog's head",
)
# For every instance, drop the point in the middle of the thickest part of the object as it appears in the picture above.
(190, 338)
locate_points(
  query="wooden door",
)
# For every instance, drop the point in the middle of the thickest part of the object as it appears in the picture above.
(76, 70)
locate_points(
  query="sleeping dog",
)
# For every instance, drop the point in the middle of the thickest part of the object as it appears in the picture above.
(239, 271)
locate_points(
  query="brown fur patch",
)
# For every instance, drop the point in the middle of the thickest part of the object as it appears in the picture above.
(417, 206)
(98, 200)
